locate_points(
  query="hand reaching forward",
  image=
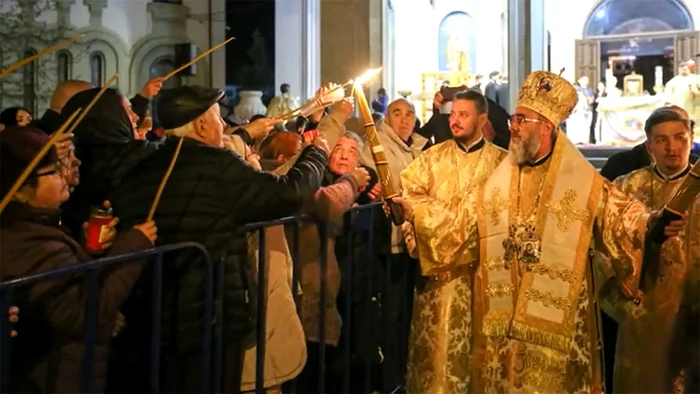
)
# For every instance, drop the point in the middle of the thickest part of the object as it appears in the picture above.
(361, 176)
(260, 128)
(321, 142)
(152, 87)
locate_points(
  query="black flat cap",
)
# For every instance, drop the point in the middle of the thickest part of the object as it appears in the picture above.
(179, 106)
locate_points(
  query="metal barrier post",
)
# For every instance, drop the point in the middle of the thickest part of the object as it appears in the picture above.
(323, 236)
(6, 302)
(157, 294)
(261, 335)
(218, 323)
(91, 317)
(348, 277)
(367, 326)
(92, 312)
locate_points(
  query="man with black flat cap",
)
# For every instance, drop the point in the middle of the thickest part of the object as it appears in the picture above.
(210, 194)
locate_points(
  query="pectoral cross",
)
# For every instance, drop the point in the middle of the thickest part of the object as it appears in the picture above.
(494, 206)
(566, 211)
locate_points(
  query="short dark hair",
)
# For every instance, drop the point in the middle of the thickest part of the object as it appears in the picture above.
(494, 74)
(475, 96)
(284, 88)
(663, 115)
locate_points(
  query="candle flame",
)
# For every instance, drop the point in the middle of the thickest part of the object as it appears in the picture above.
(368, 76)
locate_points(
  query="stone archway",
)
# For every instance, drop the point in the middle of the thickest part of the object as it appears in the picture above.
(457, 43)
(148, 50)
(108, 44)
(618, 17)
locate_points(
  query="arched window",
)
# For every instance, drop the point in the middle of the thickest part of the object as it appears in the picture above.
(29, 76)
(457, 43)
(617, 17)
(97, 68)
(159, 68)
(162, 67)
(64, 63)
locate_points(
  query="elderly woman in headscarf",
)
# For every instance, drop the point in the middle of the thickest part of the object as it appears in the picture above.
(106, 144)
(15, 116)
(47, 355)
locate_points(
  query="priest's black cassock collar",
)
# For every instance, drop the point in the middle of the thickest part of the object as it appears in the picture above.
(179, 106)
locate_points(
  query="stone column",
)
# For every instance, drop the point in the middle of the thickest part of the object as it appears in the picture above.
(351, 39)
(538, 37)
(527, 43)
(518, 47)
(297, 46)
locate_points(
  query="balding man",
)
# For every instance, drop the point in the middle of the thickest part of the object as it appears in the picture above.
(51, 120)
(401, 145)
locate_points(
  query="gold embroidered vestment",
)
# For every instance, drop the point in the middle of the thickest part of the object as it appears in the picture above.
(437, 184)
(649, 356)
(534, 317)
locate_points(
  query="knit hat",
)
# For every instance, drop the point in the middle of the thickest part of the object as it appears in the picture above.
(549, 95)
(18, 147)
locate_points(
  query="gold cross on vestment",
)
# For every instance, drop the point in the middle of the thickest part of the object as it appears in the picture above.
(566, 212)
(494, 206)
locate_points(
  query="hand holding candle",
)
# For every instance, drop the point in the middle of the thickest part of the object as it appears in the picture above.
(378, 154)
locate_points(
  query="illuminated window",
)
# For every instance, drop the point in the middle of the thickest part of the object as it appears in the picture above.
(617, 17)
(97, 68)
(64, 63)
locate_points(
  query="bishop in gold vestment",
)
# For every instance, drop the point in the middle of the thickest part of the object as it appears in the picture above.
(540, 213)
(435, 184)
(646, 333)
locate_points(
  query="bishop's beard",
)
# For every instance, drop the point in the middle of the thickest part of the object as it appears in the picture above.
(525, 150)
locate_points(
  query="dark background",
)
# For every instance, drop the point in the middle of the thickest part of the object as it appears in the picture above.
(243, 17)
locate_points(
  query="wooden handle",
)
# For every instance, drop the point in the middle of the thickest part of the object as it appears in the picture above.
(48, 50)
(198, 58)
(161, 187)
(52, 140)
(32, 165)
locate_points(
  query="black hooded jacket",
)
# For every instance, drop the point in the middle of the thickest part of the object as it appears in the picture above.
(105, 144)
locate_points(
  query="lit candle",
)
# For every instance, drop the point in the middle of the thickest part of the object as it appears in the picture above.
(659, 75)
(380, 161)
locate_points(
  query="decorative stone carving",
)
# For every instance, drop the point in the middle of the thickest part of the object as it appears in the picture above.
(96, 7)
(167, 18)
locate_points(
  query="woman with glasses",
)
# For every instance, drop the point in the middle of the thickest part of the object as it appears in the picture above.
(47, 354)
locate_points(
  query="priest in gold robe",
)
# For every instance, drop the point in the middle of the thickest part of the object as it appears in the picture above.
(535, 321)
(434, 185)
(283, 104)
(691, 337)
(647, 348)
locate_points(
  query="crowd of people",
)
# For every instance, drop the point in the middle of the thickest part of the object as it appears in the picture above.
(491, 279)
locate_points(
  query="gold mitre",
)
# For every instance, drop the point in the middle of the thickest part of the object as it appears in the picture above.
(549, 95)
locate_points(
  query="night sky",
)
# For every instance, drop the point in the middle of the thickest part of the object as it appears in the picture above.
(242, 18)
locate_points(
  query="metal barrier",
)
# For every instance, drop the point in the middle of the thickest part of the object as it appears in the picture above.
(362, 220)
(92, 270)
(350, 229)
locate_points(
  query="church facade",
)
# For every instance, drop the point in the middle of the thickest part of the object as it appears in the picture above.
(333, 40)
(135, 39)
